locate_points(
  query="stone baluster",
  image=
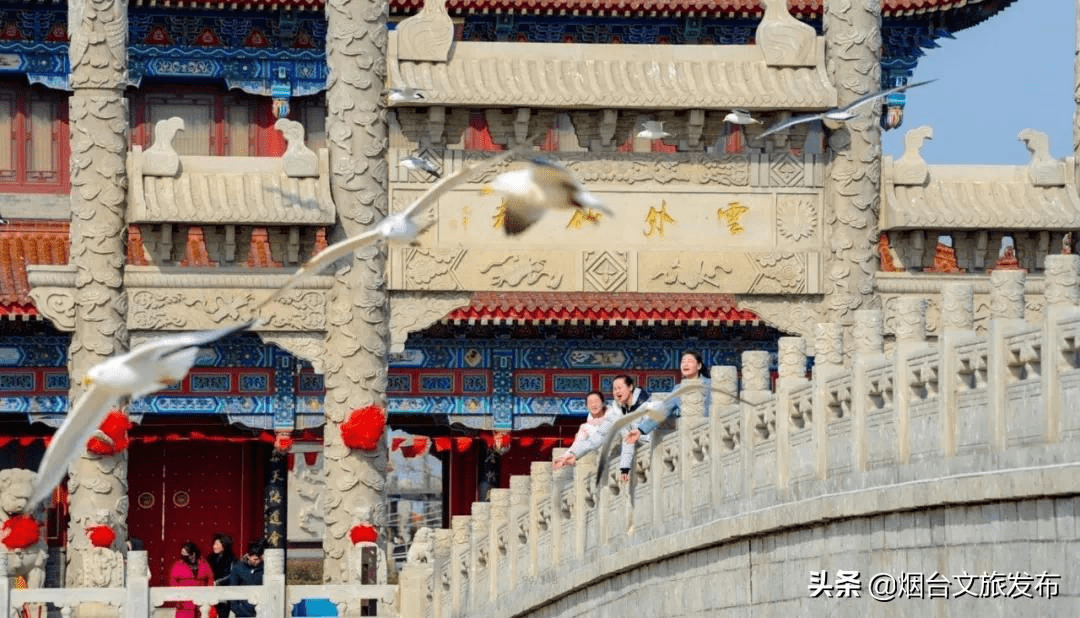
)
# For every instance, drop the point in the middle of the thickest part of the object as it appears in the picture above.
(479, 552)
(459, 565)
(957, 324)
(519, 531)
(541, 514)
(1007, 293)
(868, 340)
(910, 320)
(910, 336)
(868, 332)
(137, 603)
(692, 404)
(1062, 293)
(442, 573)
(792, 373)
(585, 504)
(828, 361)
(730, 476)
(273, 598)
(759, 417)
(499, 532)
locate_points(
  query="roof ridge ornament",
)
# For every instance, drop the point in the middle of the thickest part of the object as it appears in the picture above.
(428, 35)
(910, 168)
(160, 159)
(299, 161)
(783, 39)
(1043, 169)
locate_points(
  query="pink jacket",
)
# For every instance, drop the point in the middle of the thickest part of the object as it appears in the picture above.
(181, 575)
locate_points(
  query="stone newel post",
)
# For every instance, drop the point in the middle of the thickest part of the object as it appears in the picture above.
(99, 138)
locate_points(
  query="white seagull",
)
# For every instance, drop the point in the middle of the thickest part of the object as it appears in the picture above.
(839, 114)
(398, 227)
(148, 368)
(404, 95)
(531, 191)
(656, 408)
(420, 164)
(652, 129)
(741, 117)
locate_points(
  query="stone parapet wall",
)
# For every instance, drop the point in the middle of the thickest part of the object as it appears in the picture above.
(823, 468)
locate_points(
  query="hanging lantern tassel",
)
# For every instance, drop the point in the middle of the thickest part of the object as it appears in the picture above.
(19, 532)
(363, 533)
(115, 440)
(364, 428)
(101, 536)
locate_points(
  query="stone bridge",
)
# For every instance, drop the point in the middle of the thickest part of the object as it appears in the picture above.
(904, 477)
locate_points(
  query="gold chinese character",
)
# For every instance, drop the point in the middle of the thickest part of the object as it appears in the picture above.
(657, 218)
(581, 215)
(499, 219)
(732, 214)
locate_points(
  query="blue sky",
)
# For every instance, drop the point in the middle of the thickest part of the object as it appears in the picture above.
(1017, 63)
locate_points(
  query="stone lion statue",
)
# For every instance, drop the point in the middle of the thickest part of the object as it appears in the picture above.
(15, 492)
(423, 547)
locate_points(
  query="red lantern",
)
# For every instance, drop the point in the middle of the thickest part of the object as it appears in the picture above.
(363, 533)
(283, 442)
(19, 532)
(101, 536)
(115, 427)
(364, 428)
(501, 442)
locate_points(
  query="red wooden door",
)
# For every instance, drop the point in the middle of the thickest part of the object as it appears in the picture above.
(182, 491)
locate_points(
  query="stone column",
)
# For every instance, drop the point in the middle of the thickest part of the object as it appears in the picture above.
(853, 169)
(357, 337)
(99, 138)
(275, 509)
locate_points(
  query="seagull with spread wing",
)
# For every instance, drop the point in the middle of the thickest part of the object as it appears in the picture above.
(398, 227)
(840, 114)
(655, 408)
(533, 190)
(420, 164)
(404, 95)
(148, 368)
(740, 117)
(652, 129)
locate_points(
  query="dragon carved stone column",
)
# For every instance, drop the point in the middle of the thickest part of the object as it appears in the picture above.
(358, 313)
(99, 137)
(853, 172)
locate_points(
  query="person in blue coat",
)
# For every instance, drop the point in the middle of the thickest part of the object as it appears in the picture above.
(247, 571)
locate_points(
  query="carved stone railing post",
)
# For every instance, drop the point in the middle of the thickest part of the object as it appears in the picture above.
(520, 530)
(792, 373)
(137, 602)
(460, 560)
(730, 470)
(499, 535)
(868, 339)
(853, 172)
(99, 123)
(540, 515)
(1007, 306)
(480, 563)
(585, 505)
(1062, 294)
(273, 599)
(910, 336)
(442, 576)
(694, 453)
(958, 324)
(357, 334)
(828, 361)
(759, 417)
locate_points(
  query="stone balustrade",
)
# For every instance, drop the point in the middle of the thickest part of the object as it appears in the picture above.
(963, 419)
(273, 599)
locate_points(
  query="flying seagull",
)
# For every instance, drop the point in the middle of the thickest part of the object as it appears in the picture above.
(403, 95)
(654, 408)
(398, 227)
(531, 191)
(652, 129)
(148, 368)
(741, 117)
(419, 164)
(840, 114)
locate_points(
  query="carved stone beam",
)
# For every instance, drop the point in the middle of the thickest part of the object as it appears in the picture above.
(415, 311)
(53, 290)
(695, 126)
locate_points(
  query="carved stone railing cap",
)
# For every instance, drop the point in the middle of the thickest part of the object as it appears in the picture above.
(230, 190)
(977, 197)
(613, 76)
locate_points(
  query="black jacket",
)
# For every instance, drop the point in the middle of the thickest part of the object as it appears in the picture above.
(243, 574)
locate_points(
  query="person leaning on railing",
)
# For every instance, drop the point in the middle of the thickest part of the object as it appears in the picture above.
(691, 367)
